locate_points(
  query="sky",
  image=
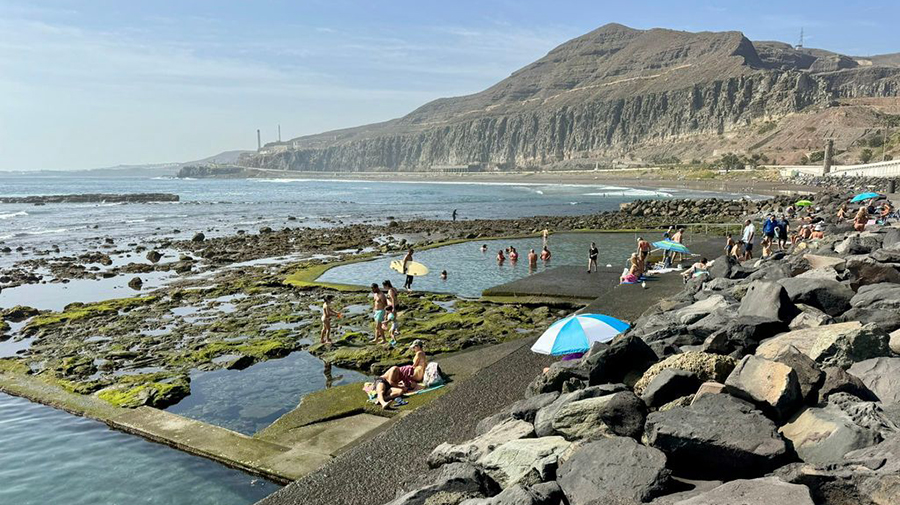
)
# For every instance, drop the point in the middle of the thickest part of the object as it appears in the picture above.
(90, 83)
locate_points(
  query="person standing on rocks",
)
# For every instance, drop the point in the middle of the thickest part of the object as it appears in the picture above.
(409, 278)
(593, 252)
(781, 231)
(454, 214)
(327, 314)
(729, 244)
(379, 304)
(747, 239)
(769, 229)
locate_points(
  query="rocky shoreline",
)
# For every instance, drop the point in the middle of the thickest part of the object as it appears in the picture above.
(92, 198)
(771, 381)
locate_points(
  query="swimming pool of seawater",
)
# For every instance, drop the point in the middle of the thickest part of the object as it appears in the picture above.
(50, 457)
(469, 271)
(251, 399)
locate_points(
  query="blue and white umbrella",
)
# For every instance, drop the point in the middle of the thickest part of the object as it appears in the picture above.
(671, 245)
(577, 333)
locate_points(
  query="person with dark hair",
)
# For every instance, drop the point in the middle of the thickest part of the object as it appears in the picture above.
(696, 270)
(500, 257)
(391, 292)
(378, 305)
(409, 278)
(747, 238)
(545, 254)
(593, 252)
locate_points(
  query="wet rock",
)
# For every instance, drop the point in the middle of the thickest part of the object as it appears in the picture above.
(18, 313)
(706, 367)
(839, 344)
(830, 296)
(526, 461)
(154, 256)
(135, 283)
(198, 237)
(765, 490)
(669, 385)
(623, 361)
(768, 300)
(770, 385)
(620, 414)
(717, 437)
(455, 483)
(472, 450)
(881, 376)
(613, 470)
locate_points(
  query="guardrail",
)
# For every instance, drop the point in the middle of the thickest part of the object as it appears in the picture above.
(880, 169)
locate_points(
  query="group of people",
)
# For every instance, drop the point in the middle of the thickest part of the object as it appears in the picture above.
(399, 380)
(513, 255)
(637, 262)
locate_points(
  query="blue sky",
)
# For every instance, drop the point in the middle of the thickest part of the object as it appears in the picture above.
(100, 83)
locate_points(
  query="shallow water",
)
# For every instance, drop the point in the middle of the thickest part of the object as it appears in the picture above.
(249, 400)
(50, 457)
(56, 295)
(469, 271)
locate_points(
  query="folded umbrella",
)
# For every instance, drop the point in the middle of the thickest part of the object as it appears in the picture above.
(577, 333)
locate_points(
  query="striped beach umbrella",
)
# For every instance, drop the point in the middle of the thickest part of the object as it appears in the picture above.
(576, 334)
(670, 245)
(864, 196)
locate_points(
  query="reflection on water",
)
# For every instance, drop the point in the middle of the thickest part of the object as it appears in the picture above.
(470, 271)
(251, 399)
(56, 295)
(50, 457)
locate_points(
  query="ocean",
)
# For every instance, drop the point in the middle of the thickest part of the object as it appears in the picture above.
(220, 207)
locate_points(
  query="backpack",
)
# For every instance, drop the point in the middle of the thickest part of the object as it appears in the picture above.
(433, 376)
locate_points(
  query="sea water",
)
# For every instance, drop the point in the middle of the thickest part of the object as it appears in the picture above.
(470, 271)
(50, 457)
(220, 207)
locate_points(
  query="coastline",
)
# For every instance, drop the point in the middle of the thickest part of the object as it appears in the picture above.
(744, 182)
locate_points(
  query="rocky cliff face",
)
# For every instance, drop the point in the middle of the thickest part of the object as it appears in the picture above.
(600, 97)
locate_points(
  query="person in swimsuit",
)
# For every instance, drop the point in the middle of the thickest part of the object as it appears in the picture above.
(484, 248)
(409, 278)
(500, 257)
(443, 275)
(327, 314)
(729, 244)
(696, 270)
(379, 303)
(593, 252)
(393, 297)
(513, 254)
(643, 249)
(545, 254)
(861, 219)
(401, 379)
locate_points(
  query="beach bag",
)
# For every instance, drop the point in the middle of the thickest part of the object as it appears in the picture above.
(433, 376)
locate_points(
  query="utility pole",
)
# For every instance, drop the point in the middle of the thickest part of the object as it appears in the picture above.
(258, 141)
(279, 133)
(884, 142)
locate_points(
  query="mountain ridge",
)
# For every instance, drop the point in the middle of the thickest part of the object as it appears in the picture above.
(608, 94)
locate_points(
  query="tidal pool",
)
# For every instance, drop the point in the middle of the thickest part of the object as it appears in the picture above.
(50, 457)
(249, 400)
(469, 271)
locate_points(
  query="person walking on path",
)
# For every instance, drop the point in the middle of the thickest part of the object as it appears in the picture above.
(747, 238)
(643, 249)
(409, 278)
(379, 304)
(593, 252)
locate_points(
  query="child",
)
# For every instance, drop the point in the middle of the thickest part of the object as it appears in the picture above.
(327, 314)
(391, 324)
